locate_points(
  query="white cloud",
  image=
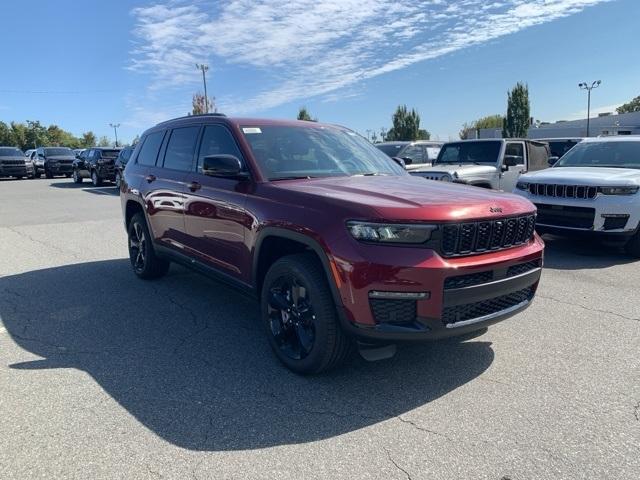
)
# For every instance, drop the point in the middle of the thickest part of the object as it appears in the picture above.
(307, 48)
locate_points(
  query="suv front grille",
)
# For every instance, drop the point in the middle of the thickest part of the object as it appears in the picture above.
(521, 268)
(470, 311)
(563, 191)
(13, 163)
(478, 237)
(468, 280)
(393, 311)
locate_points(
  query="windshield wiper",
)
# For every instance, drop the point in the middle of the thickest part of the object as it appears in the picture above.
(292, 177)
(371, 174)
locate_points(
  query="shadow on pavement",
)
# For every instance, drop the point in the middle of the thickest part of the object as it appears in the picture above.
(106, 189)
(575, 253)
(187, 357)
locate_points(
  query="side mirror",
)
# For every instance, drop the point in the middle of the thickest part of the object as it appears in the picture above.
(222, 166)
(407, 160)
(399, 161)
(511, 161)
(552, 161)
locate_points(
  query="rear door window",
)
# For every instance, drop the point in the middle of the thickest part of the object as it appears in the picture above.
(150, 148)
(180, 149)
(515, 150)
(414, 152)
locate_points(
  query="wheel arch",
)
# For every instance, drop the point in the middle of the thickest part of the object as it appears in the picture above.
(287, 242)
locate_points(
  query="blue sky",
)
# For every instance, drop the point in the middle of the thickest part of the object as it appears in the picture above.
(85, 64)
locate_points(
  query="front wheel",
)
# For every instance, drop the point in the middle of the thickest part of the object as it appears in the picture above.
(633, 245)
(118, 180)
(48, 174)
(146, 264)
(95, 179)
(76, 177)
(300, 318)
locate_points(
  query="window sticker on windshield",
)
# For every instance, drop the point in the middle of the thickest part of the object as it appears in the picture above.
(251, 130)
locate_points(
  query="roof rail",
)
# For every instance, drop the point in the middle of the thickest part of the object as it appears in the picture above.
(193, 116)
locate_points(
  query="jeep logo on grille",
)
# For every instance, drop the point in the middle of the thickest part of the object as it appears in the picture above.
(495, 209)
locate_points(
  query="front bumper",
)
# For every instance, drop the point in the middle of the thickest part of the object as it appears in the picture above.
(15, 170)
(604, 208)
(59, 168)
(458, 295)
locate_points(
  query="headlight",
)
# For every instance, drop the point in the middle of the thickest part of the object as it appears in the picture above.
(522, 186)
(446, 178)
(390, 233)
(618, 190)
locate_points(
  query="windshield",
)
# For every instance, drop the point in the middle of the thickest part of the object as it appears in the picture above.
(602, 154)
(469, 152)
(58, 151)
(284, 152)
(11, 152)
(391, 149)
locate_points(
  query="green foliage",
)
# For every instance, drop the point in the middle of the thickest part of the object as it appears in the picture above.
(200, 104)
(104, 142)
(490, 121)
(516, 123)
(406, 126)
(632, 106)
(33, 134)
(303, 114)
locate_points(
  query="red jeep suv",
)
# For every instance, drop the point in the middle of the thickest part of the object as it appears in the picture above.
(340, 245)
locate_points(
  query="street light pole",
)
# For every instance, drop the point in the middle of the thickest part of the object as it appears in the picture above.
(204, 69)
(115, 130)
(588, 88)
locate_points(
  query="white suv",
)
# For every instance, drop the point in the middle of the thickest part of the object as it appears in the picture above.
(593, 189)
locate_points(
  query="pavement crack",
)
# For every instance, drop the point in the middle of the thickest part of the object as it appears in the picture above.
(584, 307)
(395, 464)
(422, 429)
(636, 412)
(52, 246)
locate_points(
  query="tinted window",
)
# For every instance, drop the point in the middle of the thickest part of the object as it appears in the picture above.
(11, 152)
(58, 151)
(217, 140)
(125, 155)
(515, 150)
(150, 147)
(391, 149)
(180, 149)
(470, 152)
(560, 147)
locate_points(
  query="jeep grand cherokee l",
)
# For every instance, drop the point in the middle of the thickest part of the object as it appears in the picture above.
(592, 190)
(55, 161)
(97, 163)
(336, 241)
(14, 164)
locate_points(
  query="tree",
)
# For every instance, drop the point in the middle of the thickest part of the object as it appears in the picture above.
(200, 104)
(490, 121)
(19, 136)
(35, 135)
(104, 142)
(135, 140)
(632, 106)
(303, 114)
(88, 139)
(406, 126)
(6, 138)
(516, 123)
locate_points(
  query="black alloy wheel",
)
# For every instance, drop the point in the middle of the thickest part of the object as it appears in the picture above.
(291, 317)
(95, 179)
(144, 261)
(76, 176)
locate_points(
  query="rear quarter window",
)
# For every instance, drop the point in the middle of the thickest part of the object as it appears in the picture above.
(150, 148)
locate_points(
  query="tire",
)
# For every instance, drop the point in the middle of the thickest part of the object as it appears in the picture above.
(118, 180)
(19, 177)
(95, 179)
(321, 343)
(633, 246)
(144, 261)
(76, 177)
(48, 174)
(68, 175)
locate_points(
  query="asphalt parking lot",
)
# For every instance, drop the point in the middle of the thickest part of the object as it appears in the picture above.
(105, 376)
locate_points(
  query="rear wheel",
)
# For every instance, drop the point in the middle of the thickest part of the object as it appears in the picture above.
(146, 264)
(633, 245)
(48, 174)
(76, 176)
(95, 179)
(300, 318)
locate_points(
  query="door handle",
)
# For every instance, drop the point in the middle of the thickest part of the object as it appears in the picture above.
(194, 186)
(150, 178)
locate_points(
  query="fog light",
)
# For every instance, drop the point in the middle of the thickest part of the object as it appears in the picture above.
(400, 295)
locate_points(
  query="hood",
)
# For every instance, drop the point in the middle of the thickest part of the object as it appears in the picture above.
(404, 198)
(589, 176)
(461, 170)
(61, 157)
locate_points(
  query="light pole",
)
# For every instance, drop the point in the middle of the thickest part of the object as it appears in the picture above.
(204, 69)
(115, 130)
(588, 88)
